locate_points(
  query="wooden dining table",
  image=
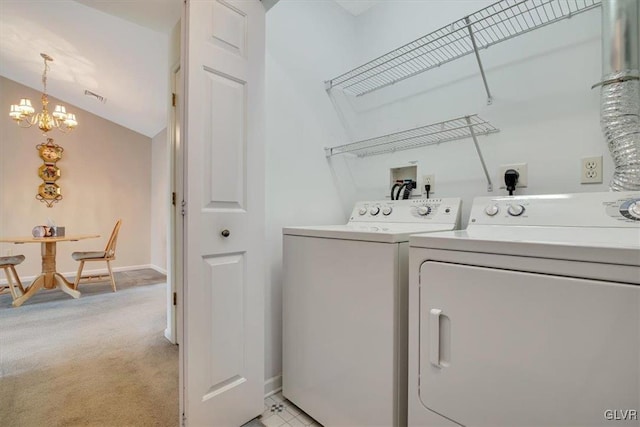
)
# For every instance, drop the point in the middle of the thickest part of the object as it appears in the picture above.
(49, 278)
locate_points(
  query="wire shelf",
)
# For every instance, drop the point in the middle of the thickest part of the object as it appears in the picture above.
(449, 130)
(501, 21)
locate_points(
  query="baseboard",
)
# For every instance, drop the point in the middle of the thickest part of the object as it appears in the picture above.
(272, 385)
(85, 272)
(158, 269)
(167, 335)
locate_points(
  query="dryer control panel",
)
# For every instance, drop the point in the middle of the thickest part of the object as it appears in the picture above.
(629, 208)
(444, 210)
(610, 209)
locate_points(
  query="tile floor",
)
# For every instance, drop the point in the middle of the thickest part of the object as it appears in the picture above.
(279, 412)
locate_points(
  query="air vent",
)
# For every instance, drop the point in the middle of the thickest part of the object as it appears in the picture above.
(96, 96)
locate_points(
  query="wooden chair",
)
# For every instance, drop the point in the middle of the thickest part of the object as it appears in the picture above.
(108, 255)
(8, 264)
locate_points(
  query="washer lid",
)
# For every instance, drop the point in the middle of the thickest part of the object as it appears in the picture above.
(368, 232)
(604, 245)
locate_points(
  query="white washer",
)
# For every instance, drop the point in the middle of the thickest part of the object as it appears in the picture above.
(530, 317)
(344, 311)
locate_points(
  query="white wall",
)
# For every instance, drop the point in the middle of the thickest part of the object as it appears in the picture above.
(307, 42)
(543, 104)
(106, 172)
(159, 213)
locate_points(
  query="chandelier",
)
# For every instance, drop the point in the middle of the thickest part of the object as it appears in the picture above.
(25, 116)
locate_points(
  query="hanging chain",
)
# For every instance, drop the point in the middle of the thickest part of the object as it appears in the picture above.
(44, 75)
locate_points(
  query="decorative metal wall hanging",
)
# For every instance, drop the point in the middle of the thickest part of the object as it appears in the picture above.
(49, 192)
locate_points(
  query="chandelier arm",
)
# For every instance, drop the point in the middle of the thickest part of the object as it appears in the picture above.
(27, 121)
(26, 124)
(60, 125)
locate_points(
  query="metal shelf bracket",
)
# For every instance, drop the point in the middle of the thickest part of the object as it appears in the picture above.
(475, 50)
(475, 143)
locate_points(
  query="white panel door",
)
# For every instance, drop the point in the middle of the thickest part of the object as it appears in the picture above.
(223, 347)
(509, 348)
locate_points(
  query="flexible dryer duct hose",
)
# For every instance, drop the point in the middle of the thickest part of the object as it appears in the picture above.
(620, 110)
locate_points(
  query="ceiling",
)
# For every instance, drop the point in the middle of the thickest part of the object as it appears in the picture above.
(157, 15)
(116, 49)
(357, 7)
(124, 58)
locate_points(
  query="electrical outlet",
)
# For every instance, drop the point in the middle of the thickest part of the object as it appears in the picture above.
(591, 170)
(428, 180)
(9, 252)
(522, 171)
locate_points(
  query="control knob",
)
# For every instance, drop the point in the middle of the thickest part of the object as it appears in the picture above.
(515, 210)
(374, 210)
(633, 210)
(387, 210)
(362, 211)
(424, 210)
(491, 210)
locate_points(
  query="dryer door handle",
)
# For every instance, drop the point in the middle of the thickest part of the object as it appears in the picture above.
(434, 337)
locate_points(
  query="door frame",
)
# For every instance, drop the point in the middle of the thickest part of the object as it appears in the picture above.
(175, 226)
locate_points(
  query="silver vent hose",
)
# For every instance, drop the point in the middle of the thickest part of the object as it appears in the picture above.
(620, 93)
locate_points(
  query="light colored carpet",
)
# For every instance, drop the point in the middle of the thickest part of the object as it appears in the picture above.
(100, 360)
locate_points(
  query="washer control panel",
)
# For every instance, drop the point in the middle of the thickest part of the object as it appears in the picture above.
(512, 209)
(444, 210)
(610, 209)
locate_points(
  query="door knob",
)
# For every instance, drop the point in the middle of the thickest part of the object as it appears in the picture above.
(225, 233)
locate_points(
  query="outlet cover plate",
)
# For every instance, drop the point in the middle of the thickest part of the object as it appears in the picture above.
(591, 170)
(523, 179)
(428, 179)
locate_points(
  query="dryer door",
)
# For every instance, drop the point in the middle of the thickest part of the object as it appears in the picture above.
(509, 348)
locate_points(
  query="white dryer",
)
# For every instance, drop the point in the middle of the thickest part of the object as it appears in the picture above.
(345, 311)
(530, 316)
